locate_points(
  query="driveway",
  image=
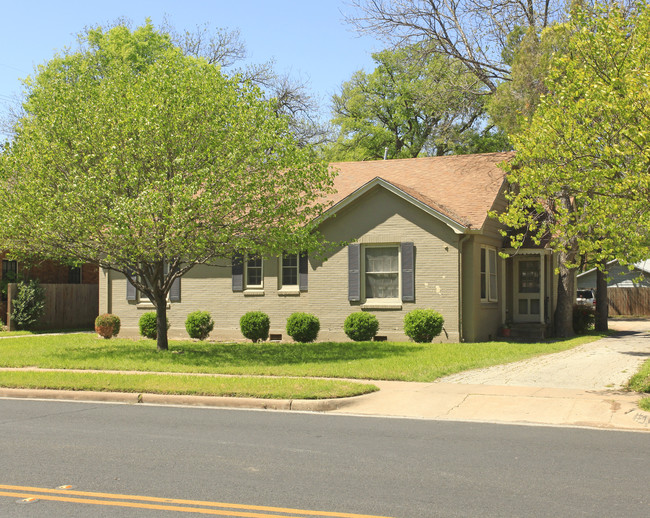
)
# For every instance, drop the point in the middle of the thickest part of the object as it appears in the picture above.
(604, 364)
(580, 387)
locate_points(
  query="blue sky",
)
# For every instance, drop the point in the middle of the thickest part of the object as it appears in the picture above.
(307, 38)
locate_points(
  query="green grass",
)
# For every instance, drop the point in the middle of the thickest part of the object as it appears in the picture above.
(363, 360)
(270, 388)
(640, 382)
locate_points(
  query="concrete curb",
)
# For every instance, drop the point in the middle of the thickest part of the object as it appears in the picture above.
(305, 405)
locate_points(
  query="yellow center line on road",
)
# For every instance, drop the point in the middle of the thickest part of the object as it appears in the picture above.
(156, 503)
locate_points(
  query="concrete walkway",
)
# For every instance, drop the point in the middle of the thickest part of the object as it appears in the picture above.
(581, 387)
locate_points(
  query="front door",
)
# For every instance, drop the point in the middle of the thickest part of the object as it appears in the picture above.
(527, 301)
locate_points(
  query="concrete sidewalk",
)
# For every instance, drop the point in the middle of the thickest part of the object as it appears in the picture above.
(605, 409)
(503, 404)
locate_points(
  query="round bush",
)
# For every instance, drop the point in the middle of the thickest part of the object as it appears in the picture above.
(423, 325)
(303, 327)
(584, 318)
(361, 327)
(255, 325)
(199, 324)
(107, 325)
(148, 325)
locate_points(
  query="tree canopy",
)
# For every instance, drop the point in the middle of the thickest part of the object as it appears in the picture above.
(148, 162)
(413, 103)
(475, 32)
(581, 176)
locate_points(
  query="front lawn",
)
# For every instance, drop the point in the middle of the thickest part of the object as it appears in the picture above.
(269, 388)
(359, 360)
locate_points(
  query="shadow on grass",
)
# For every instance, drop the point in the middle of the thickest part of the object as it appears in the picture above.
(112, 353)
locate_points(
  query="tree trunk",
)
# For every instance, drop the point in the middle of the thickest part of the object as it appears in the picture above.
(565, 298)
(161, 323)
(602, 302)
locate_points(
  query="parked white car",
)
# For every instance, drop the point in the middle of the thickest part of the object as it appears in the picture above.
(586, 297)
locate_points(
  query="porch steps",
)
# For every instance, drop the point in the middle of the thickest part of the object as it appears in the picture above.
(528, 332)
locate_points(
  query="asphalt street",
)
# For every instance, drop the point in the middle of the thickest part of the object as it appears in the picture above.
(180, 461)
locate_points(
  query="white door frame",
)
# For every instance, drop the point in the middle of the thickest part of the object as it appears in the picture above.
(538, 256)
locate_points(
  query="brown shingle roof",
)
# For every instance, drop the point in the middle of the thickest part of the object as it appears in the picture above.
(461, 187)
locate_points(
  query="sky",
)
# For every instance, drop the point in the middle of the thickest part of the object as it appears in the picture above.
(307, 38)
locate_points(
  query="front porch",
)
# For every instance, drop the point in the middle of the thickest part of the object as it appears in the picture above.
(529, 286)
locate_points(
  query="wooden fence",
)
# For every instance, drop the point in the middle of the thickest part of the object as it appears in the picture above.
(629, 301)
(67, 306)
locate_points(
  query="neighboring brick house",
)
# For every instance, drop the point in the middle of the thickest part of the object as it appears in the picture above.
(47, 272)
(419, 236)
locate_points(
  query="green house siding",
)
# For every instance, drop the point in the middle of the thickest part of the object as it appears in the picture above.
(378, 217)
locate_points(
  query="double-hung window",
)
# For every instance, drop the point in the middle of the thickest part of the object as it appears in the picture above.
(133, 294)
(489, 285)
(289, 273)
(248, 273)
(381, 272)
(254, 272)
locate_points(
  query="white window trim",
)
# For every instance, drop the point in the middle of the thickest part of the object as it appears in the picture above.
(288, 289)
(489, 274)
(253, 289)
(381, 303)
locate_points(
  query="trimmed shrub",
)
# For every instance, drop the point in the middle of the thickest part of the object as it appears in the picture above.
(148, 325)
(584, 318)
(423, 325)
(360, 326)
(303, 327)
(107, 325)
(255, 325)
(199, 324)
(29, 305)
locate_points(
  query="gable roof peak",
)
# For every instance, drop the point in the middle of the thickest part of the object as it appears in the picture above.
(461, 188)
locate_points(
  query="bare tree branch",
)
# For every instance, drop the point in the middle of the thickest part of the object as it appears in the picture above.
(472, 31)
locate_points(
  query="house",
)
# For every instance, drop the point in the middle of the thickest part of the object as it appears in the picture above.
(628, 288)
(419, 236)
(618, 276)
(51, 273)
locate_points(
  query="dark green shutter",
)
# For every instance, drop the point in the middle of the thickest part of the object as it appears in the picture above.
(408, 274)
(175, 291)
(303, 271)
(354, 272)
(238, 272)
(131, 292)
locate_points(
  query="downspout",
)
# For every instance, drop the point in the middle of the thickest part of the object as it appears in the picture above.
(461, 241)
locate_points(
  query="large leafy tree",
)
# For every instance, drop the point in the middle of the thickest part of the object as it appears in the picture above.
(148, 162)
(581, 176)
(528, 54)
(412, 103)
